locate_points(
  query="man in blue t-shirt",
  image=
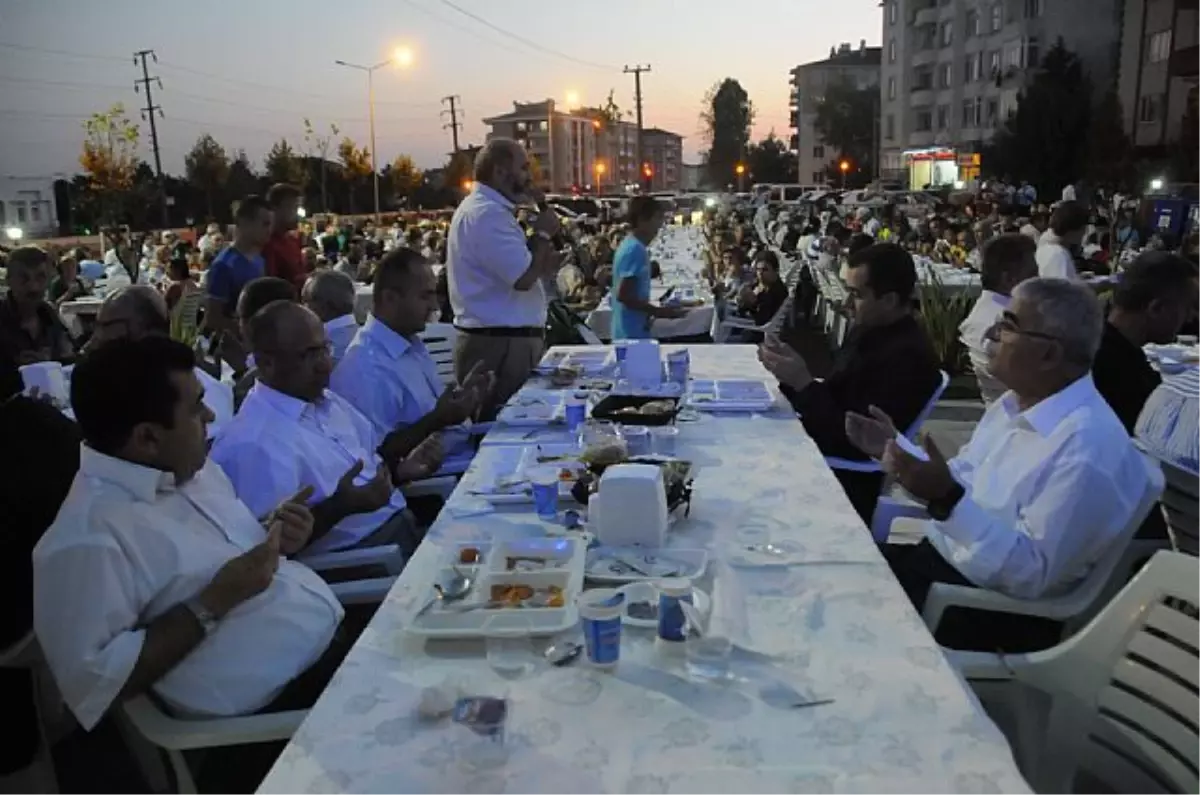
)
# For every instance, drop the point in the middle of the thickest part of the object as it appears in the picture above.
(239, 263)
(631, 307)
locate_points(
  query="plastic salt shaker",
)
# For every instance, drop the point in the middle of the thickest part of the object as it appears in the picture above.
(670, 615)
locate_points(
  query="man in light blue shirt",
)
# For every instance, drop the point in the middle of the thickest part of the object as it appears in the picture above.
(632, 311)
(388, 374)
(330, 296)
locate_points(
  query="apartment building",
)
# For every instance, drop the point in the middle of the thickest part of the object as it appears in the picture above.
(616, 151)
(809, 82)
(1160, 63)
(562, 143)
(28, 204)
(662, 150)
(951, 72)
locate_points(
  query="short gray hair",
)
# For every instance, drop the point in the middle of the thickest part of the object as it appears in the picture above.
(332, 290)
(1069, 312)
(496, 152)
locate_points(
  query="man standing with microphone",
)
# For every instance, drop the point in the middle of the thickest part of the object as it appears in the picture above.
(495, 275)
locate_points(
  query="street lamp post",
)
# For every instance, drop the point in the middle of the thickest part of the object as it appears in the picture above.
(402, 57)
(844, 167)
(740, 170)
(600, 168)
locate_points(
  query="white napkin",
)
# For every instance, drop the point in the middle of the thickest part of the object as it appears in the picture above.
(466, 505)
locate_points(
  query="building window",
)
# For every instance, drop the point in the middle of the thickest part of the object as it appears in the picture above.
(889, 127)
(971, 110)
(947, 33)
(943, 117)
(973, 68)
(997, 17)
(972, 24)
(993, 112)
(1012, 55)
(891, 88)
(994, 63)
(924, 121)
(1033, 8)
(818, 178)
(522, 126)
(20, 211)
(543, 126)
(1032, 52)
(892, 12)
(1149, 110)
(922, 80)
(819, 152)
(35, 212)
(891, 51)
(945, 75)
(1159, 48)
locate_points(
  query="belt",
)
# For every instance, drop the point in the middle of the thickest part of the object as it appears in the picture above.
(505, 331)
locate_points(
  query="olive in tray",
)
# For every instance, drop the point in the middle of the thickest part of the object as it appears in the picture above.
(636, 410)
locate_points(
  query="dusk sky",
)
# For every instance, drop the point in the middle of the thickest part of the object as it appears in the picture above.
(249, 71)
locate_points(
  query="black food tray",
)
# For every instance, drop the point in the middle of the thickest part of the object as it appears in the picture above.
(610, 409)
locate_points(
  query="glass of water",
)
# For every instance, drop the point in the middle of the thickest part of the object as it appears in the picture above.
(707, 657)
(510, 651)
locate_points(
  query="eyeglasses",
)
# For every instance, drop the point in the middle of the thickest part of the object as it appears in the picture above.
(1008, 322)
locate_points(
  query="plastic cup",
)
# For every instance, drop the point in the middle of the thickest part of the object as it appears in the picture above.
(707, 657)
(663, 439)
(575, 412)
(48, 379)
(543, 481)
(637, 438)
(600, 613)
(670, 615)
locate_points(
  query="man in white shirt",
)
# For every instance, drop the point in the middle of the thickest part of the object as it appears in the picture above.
(1068, 225)
(495, 275)
(212, 240)
(1068, 192)
(292, 432)
(154, 575)
(1034, 226)
(330, 295)
(1007, 261)
(1048, 480)
(139, 311)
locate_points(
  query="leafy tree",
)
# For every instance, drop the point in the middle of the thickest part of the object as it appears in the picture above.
(404, 176)
(243, 179)
(535, 169)
(1043, 141)
(283, 165)
(770, 161)
(726, 120)
(356, 165)
(1109, 152)
(318, 145)
(460, 168)
(109, 158)
(207, 168)
(610, 112)
(846, 121)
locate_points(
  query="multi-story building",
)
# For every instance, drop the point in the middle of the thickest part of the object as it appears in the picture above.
(1160, 62)
(662, 150)
(952, 70)
(860, 67)
(616, 151)
(28, 204)
(562, 144)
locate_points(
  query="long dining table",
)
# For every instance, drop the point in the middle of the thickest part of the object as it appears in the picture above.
(833, 624)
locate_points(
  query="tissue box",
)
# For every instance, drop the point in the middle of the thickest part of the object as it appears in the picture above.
(630, 507)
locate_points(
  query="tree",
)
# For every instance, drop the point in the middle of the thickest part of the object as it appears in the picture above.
(770, 161)
(207, 168)
(404, 176)
(283, 165)
(845, 121)
(1109, 158)
(243, 180)
(726, 119)
(317, 145)
(460, 169)
(356, 164)
(535, 169)
(109, 158)
(1043, 141)
(610, 113)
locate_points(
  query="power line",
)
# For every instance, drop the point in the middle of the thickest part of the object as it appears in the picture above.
(61, 53)
(265, 87)
(527, 42)
(72, 84)
(469, 31)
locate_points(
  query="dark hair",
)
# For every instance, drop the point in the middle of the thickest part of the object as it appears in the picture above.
(1069, 217)
(262, 291)
(395, 268)
(496, 152)
(1003, 255)
(124, 383)
(263, 327)
(1152, 276)
(249, 207)
(178, 268)
(768, 256)
(642, 208)
(890, 269)
(859, 242)
(28, 257)
(280, 192)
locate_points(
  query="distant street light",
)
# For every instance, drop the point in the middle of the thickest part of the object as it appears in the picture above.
(401, 57)
(572, 99)
(1157, 183)
(844, 167)
(599, 168)
(301, 212)
(467, 184)
(14, 233)
(740, 170)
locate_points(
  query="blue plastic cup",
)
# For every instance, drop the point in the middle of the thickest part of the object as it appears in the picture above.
(543, 481)
(575, 413)
(600, 613)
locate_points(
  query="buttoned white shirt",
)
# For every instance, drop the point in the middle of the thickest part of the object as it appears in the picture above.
(128, 545)
(983, 315)
(218, 397)
(1048, 490)
(340, 332)
(279, 444)
(486, 253)
(1053, 259)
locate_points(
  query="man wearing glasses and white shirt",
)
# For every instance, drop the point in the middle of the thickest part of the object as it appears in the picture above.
(495, 275)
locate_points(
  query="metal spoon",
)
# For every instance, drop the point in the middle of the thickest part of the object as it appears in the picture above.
(454, 590)
(563, 652)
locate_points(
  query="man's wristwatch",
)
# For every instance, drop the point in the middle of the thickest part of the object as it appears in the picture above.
(204, 617)
(940, 508)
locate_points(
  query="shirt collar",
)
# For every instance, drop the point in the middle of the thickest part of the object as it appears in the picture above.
(391, 342)
(1045, 416)
(143, 482)
(491, 194)
(288, 406)
(999, 299)
(341, 322)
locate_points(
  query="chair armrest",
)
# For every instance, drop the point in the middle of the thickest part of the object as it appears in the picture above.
(979, 665)
(481, 428)
(387, 555)
(852, 466)
(888, 510)
(362, 592)
(738, 322)
(942, 596)
(183, 734)
(436, 486)
(453, 467)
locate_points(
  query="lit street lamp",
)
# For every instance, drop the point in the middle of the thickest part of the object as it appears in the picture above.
(844, 167)
(740, 170)
(14, 233)
(401, 57)
(599, 168)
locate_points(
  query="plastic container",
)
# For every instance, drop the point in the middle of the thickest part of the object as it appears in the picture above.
(637, 439)
(600, 611)
(544, 483)
(575, 412)
(670, 615)
(663, 440)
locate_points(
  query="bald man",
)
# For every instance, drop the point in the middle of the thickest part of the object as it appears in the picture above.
(140, 311)
(292, 432)
(330, 296)
(495, 276)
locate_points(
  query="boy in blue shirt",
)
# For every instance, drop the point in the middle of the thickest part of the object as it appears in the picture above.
(632, 311)
(237, 264)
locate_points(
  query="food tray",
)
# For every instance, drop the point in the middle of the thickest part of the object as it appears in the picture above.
(612, 408)
(472, 617)
(509, 464)
(638, 564)
(533, 408)
(589, 362)
(730, 395)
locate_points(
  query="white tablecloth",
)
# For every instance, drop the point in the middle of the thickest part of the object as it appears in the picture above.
(840, 628)
(699, 320)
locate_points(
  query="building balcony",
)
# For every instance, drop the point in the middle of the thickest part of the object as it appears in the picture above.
(921, 98)
(923, 57)
(1185, 62)
(921, 139)
(926, 16)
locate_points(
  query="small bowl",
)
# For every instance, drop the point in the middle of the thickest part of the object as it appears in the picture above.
(640, 593)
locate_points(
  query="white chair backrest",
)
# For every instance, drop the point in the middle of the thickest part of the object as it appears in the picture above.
(1181, 507)
(439, 338)
(589, 337)
(913, 429)
(1125, 708)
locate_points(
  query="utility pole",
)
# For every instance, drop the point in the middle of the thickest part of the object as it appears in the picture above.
(454, 125)
(148, 115)
(636, 71)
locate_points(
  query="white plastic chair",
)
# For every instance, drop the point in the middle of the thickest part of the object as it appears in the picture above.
(774, 325)
(1072, 608)
(1181, 506)
(911, 433)
(1123, 708)
(439, 339)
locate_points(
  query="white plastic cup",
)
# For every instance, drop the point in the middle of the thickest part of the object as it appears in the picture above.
(48, 379)
(600, 613)
(663, 439)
